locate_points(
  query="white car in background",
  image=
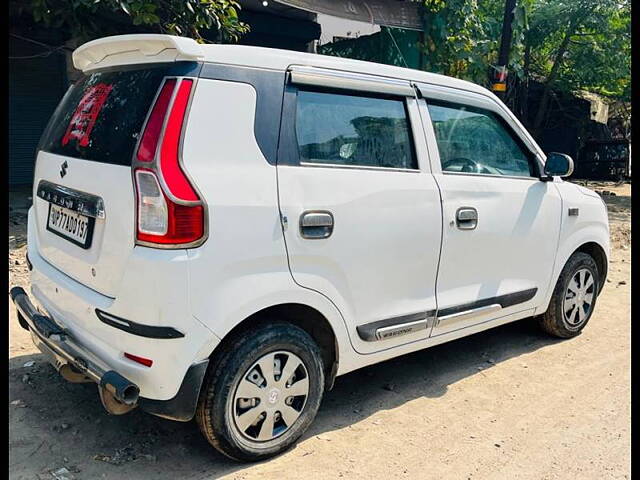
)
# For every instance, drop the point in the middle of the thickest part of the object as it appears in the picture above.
(219, 231)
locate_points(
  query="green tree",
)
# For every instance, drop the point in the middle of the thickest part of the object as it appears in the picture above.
(456, 40)
(462, 37)
(567, 45)
(88, 19)
(580, 45)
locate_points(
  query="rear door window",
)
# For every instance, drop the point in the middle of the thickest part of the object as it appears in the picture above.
(101, 117)
(353, 130)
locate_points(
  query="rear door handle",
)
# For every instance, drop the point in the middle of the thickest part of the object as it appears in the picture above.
(466, 218)
(316, 224)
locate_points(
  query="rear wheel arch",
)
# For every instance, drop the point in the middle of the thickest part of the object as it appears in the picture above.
(303, 316)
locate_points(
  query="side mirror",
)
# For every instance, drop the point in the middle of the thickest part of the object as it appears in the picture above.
(558, 165)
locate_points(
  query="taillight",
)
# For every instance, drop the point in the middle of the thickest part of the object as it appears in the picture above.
(178, 184)
(170, 212)
(149, 141)
(153, 214)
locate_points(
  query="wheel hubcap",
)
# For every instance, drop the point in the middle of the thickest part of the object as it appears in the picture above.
(270, 396)
(273, 396)
(578, 299)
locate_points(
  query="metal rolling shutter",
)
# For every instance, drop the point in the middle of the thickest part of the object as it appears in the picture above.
(36, 85)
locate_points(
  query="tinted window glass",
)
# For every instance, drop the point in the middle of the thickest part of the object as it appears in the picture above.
(471, 140)
(353, 130)
(100, 118)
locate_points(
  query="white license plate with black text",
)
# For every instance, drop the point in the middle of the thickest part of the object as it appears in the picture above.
(75, 227)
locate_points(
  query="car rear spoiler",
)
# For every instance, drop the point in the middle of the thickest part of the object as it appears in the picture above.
(134, 49)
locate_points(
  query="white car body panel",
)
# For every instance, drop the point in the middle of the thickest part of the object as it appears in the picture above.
(392, 212)
(509, 250)
(590, 226)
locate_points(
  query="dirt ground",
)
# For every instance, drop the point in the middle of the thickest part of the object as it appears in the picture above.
(509, 403)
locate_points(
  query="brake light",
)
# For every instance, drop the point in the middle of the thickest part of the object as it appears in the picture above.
(169, 210)
(172, 173)
(149, 141)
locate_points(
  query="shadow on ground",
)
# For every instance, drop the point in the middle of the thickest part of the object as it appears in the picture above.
(69, 421)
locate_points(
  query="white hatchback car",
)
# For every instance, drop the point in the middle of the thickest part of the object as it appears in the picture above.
(219, 231)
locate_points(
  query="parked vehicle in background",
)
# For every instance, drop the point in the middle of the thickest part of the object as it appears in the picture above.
(220, 231)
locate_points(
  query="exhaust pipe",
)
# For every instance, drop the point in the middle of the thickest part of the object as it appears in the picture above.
(118, 394)
(122, 389)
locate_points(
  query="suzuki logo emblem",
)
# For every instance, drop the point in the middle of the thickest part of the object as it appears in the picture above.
(63, 169)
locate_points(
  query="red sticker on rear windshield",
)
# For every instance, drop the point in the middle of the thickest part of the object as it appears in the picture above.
(86, 114)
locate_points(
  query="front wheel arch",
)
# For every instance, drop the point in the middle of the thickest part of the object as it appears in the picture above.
(554, 320)
(594, 244)
(595, 251)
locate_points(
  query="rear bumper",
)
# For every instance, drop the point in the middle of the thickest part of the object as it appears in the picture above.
(66, 352)
(71, 358)
(150, 316)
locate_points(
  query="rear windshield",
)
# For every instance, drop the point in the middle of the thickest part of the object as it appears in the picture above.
(101, 116)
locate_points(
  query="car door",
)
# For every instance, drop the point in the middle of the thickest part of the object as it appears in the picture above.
(361, 211)
(501, 223)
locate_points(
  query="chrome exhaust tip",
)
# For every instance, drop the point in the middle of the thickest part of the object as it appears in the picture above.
(118, 394)
(122, 389)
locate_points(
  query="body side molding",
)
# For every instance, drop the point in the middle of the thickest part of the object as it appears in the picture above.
(395, 326)
(405, 324)
(504, 301)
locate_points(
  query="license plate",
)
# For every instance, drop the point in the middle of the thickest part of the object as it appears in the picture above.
(72, 226)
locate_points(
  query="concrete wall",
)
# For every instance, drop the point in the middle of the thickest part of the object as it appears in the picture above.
(340, 27)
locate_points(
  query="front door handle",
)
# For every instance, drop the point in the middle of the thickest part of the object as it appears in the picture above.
(316, 224)
(466, 218)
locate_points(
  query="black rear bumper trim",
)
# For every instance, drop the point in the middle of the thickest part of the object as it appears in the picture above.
(148, 331)
(182, 407)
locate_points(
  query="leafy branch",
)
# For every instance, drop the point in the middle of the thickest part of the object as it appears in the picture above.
(88, 19)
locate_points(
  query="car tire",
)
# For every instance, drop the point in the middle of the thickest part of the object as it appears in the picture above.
(236, 385)
(560, 319)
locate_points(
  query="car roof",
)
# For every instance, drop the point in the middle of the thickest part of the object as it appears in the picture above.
(151, 48)
(276, 59)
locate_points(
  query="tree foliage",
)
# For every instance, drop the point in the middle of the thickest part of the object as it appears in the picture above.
(567, 45)
(456, 40)
(462, 36)
(596, 53)
(588, 41)
(88, 19)
(581, 45)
